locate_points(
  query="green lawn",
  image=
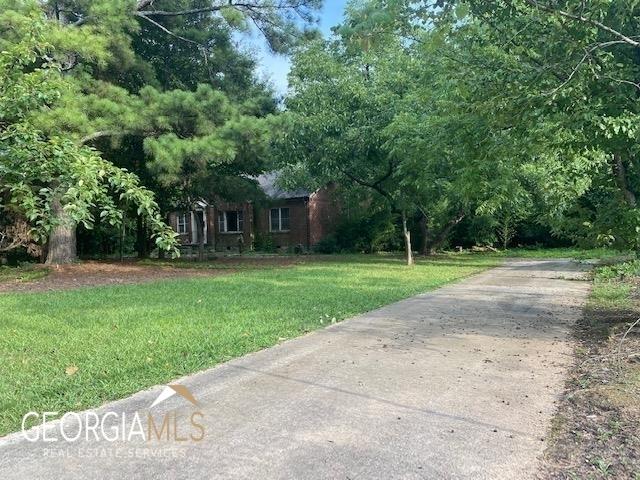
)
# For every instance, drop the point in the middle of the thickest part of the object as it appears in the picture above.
(25, 273)
(125, 338)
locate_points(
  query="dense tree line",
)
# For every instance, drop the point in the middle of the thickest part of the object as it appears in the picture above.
(506, 111)
(472, 115)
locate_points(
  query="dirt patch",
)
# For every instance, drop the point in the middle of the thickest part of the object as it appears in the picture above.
(596, 432)
(96, 273)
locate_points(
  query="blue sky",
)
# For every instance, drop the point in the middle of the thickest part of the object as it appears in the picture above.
(276, 67)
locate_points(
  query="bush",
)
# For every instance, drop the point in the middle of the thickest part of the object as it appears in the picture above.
(474, 230)
(264, 243)
(619, 271)
(364, 234)
(328, 244)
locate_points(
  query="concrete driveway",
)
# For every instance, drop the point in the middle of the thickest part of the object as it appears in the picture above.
(457, 383)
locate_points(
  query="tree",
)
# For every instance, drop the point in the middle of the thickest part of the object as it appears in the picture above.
(520, 100)
(344, 99)
(389, 115)
(104, 95)
(173, 70)
(208, 142)
(573, 70)
(46, 179)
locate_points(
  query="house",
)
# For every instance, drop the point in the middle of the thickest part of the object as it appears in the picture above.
(284, 220)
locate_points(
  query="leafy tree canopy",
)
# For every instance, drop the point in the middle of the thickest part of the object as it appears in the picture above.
(39, 171)
(505, 109)
(163, 77)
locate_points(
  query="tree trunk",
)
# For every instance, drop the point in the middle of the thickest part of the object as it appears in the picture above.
(620, 172)
(424, 231)
(123, 233)
(142, 238)
(407, 239)
(506, 233)
(444, 233)
(62, 240)
(199, 216)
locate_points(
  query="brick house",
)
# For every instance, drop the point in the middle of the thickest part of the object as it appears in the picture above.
(286, 220)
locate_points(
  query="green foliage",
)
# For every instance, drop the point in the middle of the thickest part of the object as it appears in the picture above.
(328, 245)
(568, 77)
(174, 89)
(476, 230)
(539, 128)
(104, 241)
(417, 123)
(370, 233)
(618, 271)
(613, 285)
(37, 170)
(367, 233)
(264, 242)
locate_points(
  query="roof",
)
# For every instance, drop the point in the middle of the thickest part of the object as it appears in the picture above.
(269, 184)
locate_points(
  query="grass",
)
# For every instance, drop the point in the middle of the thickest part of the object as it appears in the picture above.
(596, 433)
(192, 264)
(613, 285)
(24, 273)
(72, 350)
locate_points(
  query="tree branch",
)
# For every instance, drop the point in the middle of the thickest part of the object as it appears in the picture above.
(587, 54)
(215, 8)
(627, 333)
(143, 4)
(581, 18)
(194, 11)
(100, 134)
(374, 186)
(625, 82)
(439, 240)
(165, 29)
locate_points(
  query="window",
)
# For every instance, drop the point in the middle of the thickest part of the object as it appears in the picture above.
(182, 223)
(231, 221)
(279, 219)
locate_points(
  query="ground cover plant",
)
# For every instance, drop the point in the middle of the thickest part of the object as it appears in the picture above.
(75, 349)
(579, 254)
(595, 434)
(25, 273)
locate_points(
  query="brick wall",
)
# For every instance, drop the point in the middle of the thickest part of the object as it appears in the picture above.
(298, 233)
(310, 220)
(324, 214)
(230, 241)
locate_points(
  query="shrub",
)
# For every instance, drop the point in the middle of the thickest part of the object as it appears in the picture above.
(619, 271)
(328, 244)
(367, 234)
(264, 243)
